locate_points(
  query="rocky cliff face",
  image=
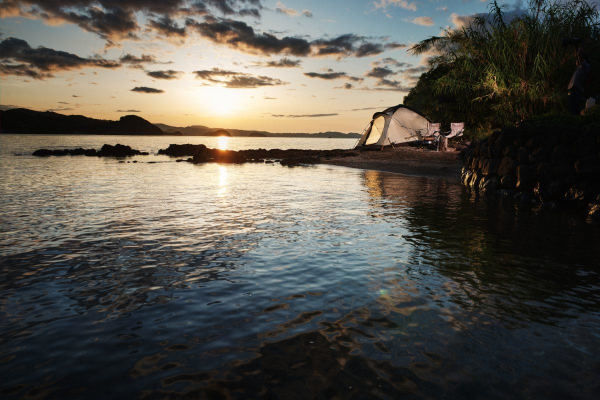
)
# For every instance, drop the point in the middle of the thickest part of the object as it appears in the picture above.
(532, 163)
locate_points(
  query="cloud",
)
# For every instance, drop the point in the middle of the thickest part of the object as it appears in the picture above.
(346, 86)
(283, 63)
(330, 74)
(117, 19)
(144, 89)
(461, 21)
(167, 27)
(5, 107)
(18, 58)
(241, 36)
(135, 60)
(128, 111)
(290, 12)
(442, 8)
(237, 80)
(364, 109)
(384, 4)
(423, 21)
(23, 70)
(390, 62)
(379, 72)
(168, 74)
(304, 115)
(351, 45)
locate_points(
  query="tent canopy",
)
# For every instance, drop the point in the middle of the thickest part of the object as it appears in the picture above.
(395, 125)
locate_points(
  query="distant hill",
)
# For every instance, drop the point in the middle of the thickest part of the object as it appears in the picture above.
(200, 130)
(22, 120)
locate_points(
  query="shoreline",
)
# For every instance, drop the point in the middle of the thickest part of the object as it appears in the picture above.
(406, 161)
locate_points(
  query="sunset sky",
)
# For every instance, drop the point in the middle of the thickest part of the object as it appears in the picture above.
(280, 66)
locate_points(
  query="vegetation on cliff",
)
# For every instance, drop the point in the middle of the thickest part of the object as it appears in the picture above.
(504, 66)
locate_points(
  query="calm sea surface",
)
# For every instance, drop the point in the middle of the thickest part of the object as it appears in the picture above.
(159, 280)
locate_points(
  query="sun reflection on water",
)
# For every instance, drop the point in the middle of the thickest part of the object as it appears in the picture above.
(222, 179)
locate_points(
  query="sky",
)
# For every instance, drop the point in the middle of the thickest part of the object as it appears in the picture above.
(279, 66)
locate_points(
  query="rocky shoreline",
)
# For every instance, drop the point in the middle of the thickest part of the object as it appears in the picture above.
(532, 163)
(402, 159)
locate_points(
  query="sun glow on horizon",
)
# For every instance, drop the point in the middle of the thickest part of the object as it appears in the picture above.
(222, 142)
(223, 102)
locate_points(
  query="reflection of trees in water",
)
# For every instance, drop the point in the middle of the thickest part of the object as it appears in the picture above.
(509, 260)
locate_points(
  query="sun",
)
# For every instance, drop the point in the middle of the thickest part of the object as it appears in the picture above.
(222, 101)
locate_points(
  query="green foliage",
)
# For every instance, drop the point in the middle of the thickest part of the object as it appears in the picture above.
(498, 71)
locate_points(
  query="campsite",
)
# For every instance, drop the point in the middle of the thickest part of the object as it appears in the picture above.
(300, 199)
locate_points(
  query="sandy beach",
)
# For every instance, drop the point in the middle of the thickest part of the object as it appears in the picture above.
(405, 160)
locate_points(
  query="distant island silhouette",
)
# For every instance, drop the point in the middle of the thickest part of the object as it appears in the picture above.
(22, 120)
(25, 121)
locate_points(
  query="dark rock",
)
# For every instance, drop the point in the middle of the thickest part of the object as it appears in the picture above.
(536, 141)
(585, 146)
(523, 155)
(563, 170)
(475, 179)
(524, 197)
(543, 173)
(182, 150)
(42, 153)
(569, 136)
(541, 192)
(489, 185)
(490, 167)
(537, 156)
(507, 166)
(509, 181)
(588, 165)
(510, 151)
(550, 205)
(560, 154)
(557, 189)
(506, 193)
(594, 210)
(119, 151)
(291, 162)
(584, 191)
(525, 177)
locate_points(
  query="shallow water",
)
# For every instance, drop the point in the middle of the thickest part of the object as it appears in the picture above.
(158, 280)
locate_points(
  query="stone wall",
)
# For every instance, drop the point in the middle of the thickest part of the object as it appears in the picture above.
(532, 163)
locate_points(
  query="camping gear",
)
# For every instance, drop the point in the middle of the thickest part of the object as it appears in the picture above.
(591, 102)
(433, 132)
(395, 125)
(456, 130)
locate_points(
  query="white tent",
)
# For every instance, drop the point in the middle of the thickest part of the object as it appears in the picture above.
(395, 125)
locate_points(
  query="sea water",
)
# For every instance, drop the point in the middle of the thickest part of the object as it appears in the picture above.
(160, 279)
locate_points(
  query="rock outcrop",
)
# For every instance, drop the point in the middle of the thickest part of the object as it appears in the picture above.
(291, 157)
(538, 163)
(107, 150)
